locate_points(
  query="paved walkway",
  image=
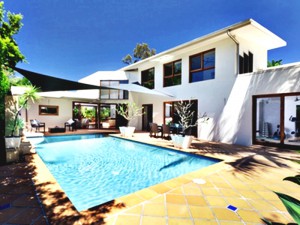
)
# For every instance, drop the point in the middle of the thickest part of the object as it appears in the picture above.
(245, 179)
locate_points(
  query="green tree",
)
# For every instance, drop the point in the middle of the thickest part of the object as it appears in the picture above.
(140, 52)
(274, 63)
(10, 55)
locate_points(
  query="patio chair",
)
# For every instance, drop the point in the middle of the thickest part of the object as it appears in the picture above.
(154, 130)
(166, 132)
(37, 125)
(71, 124)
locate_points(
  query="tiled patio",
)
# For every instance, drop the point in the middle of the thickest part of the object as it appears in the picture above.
(245, 179)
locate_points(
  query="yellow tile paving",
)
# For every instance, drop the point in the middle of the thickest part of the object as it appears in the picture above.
(201, 212)
(147, 220)
(154, 209)
(195, 200)
(178, 211)
(242, 181)
(173, 221)
(126, 219)
(249, 216)
(205, 222)
(225, 214)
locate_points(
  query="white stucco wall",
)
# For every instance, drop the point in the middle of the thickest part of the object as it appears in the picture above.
(211, 94)
(65, 112)
(235, 123)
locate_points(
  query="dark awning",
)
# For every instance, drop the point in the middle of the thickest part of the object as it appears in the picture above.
(48, 83)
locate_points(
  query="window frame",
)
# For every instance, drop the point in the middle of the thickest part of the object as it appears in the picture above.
(53, 107)
(143, 82)
(202, 68)
(120, 97)
(173, 75)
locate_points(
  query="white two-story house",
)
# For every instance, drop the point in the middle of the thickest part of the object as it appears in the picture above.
(224, 74)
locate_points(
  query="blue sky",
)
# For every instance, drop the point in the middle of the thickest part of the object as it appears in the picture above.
(75, 38)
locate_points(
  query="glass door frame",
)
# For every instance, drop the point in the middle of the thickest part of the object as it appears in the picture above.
(282, 116)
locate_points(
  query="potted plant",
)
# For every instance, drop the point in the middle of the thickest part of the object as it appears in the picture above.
(14, 120)
(186, 121)
(129, 111)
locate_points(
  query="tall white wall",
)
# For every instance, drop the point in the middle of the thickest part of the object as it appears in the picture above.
(235, 123)
(211, 94)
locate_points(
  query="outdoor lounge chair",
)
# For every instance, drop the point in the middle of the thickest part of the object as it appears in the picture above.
(36, 124)
(154, 130)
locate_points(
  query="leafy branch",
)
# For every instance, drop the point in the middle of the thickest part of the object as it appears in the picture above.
(129, 111)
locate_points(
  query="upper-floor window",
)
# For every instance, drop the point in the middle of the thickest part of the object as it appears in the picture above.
(202, 66)
(246, 63)
(113, 93)
(172, 73)
(148, 78)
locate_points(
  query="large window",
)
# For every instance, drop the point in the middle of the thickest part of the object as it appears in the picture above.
(113, 93)
(148, 78)
(202, 66)
(172, 73)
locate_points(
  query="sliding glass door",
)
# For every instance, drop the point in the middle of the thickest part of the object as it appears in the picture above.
(276, 119)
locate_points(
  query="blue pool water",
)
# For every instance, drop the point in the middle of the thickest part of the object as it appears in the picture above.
(94, 169)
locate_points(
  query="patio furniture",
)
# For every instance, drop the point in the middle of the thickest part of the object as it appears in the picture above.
(166, 132)
(57, 130)
(154, 130)
(71, 124)
(37, 125)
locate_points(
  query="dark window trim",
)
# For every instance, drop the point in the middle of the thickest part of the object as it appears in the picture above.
(201, 54)
(173, 75)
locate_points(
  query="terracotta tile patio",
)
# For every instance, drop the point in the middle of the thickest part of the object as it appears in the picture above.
(245, 179)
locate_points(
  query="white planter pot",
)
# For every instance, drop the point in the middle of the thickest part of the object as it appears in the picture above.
(127, 131)
(182, 142)
(12, 142)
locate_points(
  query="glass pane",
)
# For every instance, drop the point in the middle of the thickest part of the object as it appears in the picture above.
(151, 74)
(168, 82)
(104, 94)
(196, 62)
(114, 94)
(177, 80)
(209, 74)
(105, 83)
(292, 120)
(168, 69)
(209, 59)
(168, 109)
(177, 67)
(112, 111)
(114, 83)
(196, 76)
(268, 120)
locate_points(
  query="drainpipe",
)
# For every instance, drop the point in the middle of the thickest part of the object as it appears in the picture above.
(237, 51)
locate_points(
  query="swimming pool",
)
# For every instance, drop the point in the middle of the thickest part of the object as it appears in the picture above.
(95, 170)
